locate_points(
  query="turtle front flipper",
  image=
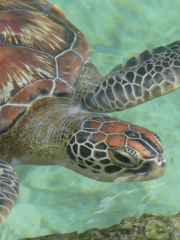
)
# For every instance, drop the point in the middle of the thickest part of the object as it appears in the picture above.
(9, 189)
(108, 149)
(151, 74)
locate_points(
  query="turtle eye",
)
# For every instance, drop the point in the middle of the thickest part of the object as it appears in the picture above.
(124, 158)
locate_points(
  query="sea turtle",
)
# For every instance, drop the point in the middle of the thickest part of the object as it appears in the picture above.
(45, 74)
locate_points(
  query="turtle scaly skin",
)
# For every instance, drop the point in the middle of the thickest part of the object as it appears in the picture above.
(151, 74)
(45, 75)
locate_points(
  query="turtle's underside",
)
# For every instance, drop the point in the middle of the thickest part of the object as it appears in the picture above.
(45, 74)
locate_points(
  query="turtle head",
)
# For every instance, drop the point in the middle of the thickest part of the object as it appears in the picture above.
(107, 149)
(141, 157)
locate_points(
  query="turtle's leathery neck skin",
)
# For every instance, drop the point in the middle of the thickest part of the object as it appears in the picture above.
(86, 143)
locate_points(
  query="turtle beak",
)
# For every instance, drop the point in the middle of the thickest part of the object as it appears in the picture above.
(154, 170)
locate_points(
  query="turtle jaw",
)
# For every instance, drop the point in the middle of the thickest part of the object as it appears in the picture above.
(156, 172)
(149, 170)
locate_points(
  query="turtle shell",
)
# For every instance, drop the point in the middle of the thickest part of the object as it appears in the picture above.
(41, 54)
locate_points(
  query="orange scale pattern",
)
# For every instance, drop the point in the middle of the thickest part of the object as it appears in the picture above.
(116, 140)
(138, 128)
(139, 147)
(153, 139)
(115, 127)
(97, 137)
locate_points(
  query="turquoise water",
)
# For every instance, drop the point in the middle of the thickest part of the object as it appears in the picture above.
(57, 200)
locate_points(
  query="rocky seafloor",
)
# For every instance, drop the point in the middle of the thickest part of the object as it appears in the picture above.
(148, 226)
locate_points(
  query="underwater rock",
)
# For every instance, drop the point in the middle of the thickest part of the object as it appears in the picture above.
(147, 227)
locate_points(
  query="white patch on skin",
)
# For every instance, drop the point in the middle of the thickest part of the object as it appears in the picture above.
(74, 109)
(15, 162)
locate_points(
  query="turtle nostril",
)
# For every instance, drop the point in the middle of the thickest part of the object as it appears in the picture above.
(161, 160)
(163, 164)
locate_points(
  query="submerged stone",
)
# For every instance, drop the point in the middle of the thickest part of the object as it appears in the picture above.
(147, 227)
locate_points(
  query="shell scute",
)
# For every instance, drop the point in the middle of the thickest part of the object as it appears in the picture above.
(41, 53)
(62, 89)
(20, 67)
(69, 66)
(81, 46)
(53, 9)
(36, 30)
(9, 115)
(32, 91)
(19, 4)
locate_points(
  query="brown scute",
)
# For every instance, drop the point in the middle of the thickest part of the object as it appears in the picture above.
(62, 89)
(82, 136)
(81, 46)
(99, 119)
(31, 33)
(55, 10)
(138, 128)
(115, 127)
(91, 124)
(153, 139)
(109, 119)
(32, 91)
(52, 8)
(115, 140)
(19, 4)
(97, 137)
(139, 147)
(69, 67)
(48, 28)
(91, 130)
(40, 1)
(131, 134)
(36, 30)
(9, 116)
(20, 67)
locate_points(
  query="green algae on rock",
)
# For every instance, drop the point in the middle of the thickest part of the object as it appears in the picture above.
(148, 226)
